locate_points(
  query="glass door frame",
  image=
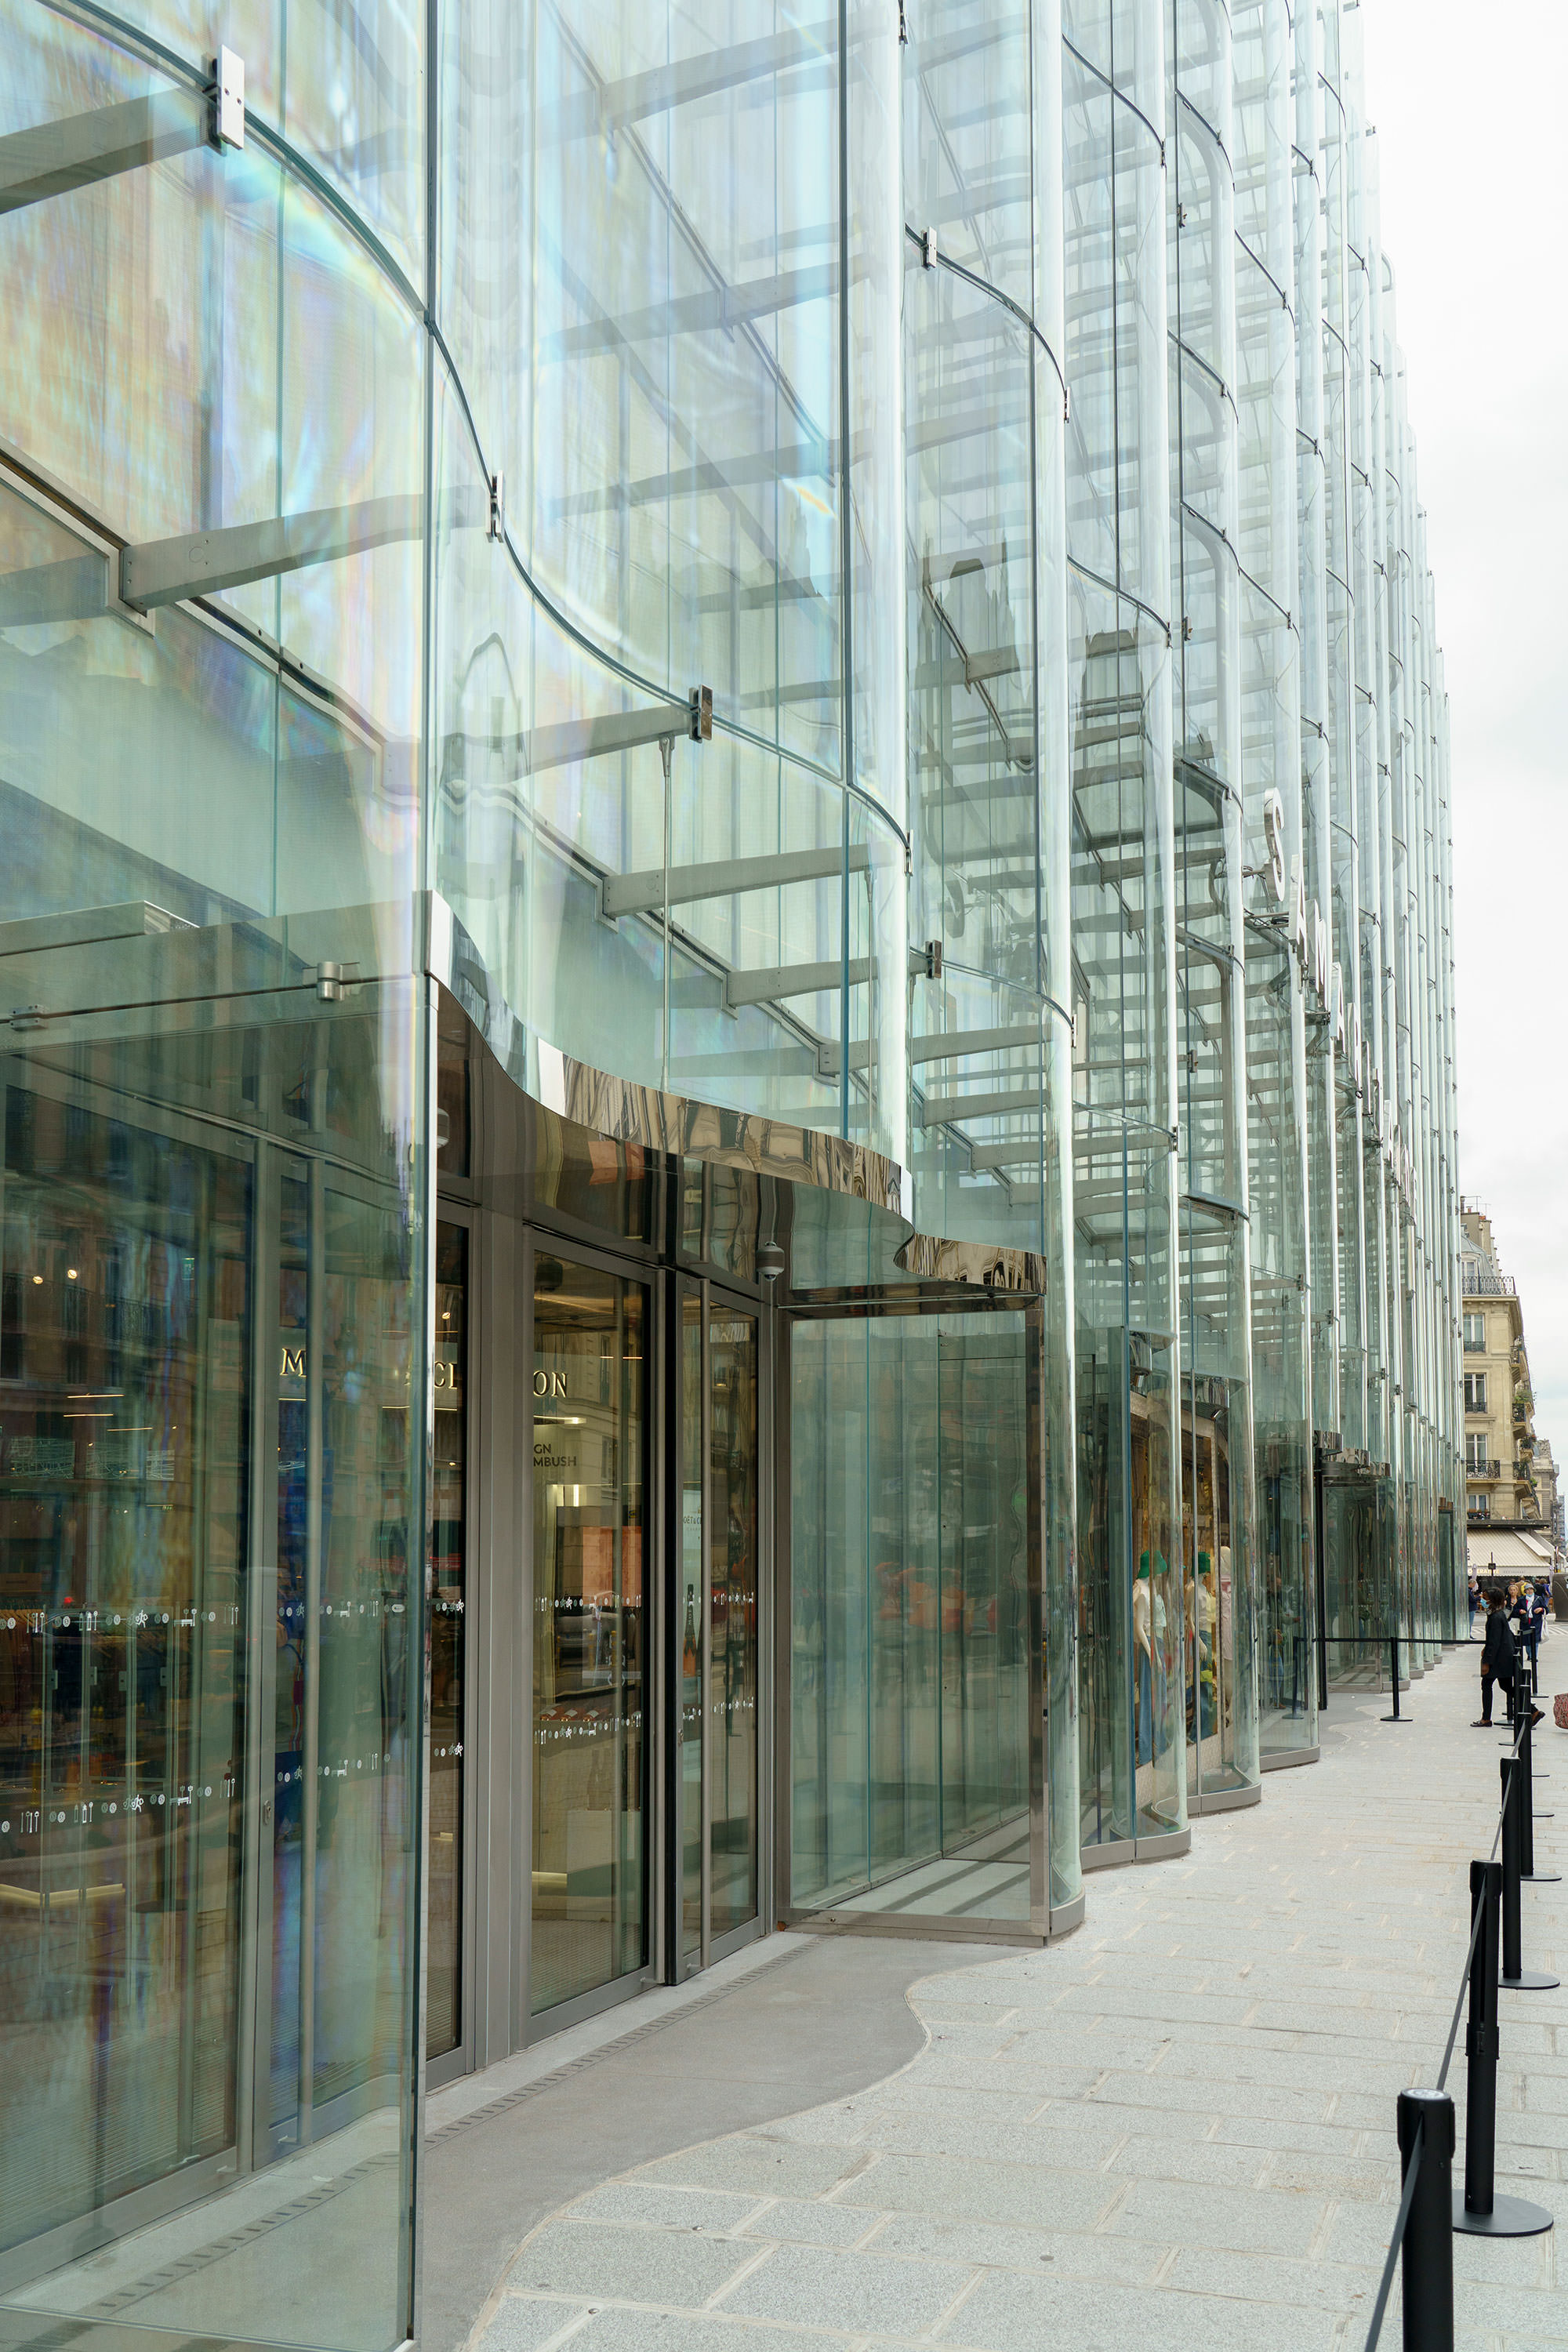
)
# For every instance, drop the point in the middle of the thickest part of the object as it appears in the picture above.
(275, 1157)
(713, 1297)
(527, 2027)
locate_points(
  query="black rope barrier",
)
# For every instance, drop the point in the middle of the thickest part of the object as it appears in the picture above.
(1430, 2209)
(1369, 1642)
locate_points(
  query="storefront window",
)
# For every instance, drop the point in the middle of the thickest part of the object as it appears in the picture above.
(209, 1399)
(125, 1380)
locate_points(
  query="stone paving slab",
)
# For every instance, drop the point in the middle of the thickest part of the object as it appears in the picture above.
(1174, 2129)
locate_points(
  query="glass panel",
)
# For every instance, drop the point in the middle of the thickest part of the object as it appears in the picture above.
(1156, 1606)
(344, 1452)
(214, 1359)
(911, 1581)
(830, 1618)
(365, 1339)
(679, 926)
(589, 1519)
(1104, 1622)
(448, 1618)
(126, 1258)
(693, 1622)
(969, 387)
(153, 389)
(1131, 1653)
(678, 468)
(732, 1651)
(356, 107)
(967, 146)
(985, 1596)
(1089, 262)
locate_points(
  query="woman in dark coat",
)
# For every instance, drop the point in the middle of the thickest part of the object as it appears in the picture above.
(1500, 1658)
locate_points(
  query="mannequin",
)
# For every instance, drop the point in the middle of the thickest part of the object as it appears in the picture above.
(1207, 1616)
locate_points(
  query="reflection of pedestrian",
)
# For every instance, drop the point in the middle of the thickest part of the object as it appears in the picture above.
(1500, 1661)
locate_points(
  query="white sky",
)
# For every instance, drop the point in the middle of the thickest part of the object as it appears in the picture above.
(1468, 108)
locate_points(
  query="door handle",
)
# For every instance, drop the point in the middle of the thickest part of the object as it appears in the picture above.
(267, 1809)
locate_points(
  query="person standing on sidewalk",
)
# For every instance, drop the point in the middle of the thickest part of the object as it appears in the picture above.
(1500, 1659)
(1535, 1600)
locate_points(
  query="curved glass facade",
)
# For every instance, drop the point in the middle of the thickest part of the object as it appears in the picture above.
(728, 1128)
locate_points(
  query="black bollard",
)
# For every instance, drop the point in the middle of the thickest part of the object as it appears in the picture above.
(1526, 1798)
(1427, 2258)
(1515, 1976)
(1480, 2210)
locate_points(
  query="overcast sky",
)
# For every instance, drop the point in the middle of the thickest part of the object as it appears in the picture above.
(1468, 110)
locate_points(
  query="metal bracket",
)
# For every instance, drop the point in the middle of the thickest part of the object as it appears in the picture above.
(701, 706)
(228, 99)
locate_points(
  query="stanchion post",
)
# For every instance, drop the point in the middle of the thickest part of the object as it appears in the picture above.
(1479, 2211)
(1527, 1812)
(1512, 1864)
(1427, 2255)
(1515, 1976)
(1393, 1676)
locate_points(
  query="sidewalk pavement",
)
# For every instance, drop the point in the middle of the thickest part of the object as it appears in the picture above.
(1174, 2129)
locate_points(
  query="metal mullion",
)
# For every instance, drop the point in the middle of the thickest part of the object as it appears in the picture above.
(315, 1325)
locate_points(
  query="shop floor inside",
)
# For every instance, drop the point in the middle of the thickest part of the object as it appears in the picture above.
(1176, 2126)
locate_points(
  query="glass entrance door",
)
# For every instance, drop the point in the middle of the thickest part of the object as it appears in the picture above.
(338, 1368)
(717, 1622)
(589, 1517)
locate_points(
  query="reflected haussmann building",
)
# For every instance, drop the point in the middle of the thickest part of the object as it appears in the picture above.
(728, 1128)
